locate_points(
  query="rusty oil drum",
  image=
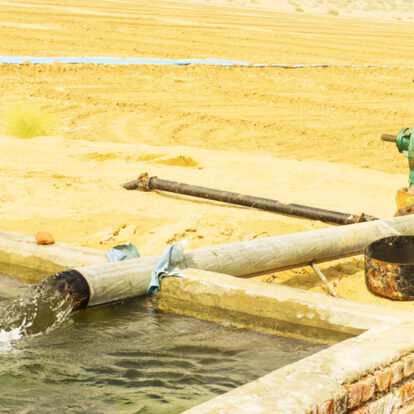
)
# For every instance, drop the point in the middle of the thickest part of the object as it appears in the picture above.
(389, 267)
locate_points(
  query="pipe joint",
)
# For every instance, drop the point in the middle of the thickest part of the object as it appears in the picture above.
(144, 181)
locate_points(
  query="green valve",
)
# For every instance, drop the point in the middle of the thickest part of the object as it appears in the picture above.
(405, 144)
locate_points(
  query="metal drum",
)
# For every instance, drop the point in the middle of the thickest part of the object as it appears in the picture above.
(389, 267)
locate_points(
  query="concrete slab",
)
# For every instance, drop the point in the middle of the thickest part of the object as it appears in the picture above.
(23, 259)
(276, 308)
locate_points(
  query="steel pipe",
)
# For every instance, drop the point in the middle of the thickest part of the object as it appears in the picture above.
(389, 137)
(146, 183)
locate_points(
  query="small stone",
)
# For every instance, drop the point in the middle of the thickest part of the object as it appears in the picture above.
(43, 237)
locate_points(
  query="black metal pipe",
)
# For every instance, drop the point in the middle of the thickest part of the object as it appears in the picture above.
(389, 137)
(146, 183)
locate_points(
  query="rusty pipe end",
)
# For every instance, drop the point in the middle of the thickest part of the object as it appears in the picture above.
(388, 137)
(142, 183)
(362, 218)
(389, 267)
(130, 185)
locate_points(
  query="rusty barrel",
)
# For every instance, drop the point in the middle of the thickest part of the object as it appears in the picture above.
(389, 267)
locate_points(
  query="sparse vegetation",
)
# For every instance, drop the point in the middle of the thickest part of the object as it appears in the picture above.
(28, 121)
(296, 6)
(333, 12)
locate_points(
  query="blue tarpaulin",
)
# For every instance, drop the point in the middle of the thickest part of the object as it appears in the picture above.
(118, 61)
(102, 60)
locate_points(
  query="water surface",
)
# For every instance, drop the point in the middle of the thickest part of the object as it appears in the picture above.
(131, 358)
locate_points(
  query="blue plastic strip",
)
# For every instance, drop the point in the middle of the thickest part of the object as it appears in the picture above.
(119, 61)
(181, 62)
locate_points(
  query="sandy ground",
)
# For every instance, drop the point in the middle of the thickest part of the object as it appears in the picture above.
(387, 10)
(307, 136)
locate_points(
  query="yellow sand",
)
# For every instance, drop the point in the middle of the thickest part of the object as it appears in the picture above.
(307, 136)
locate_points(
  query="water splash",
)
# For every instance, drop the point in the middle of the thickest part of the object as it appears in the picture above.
(38, 310)
(7, 338)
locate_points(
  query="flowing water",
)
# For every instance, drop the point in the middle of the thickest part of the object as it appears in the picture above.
(124, 358)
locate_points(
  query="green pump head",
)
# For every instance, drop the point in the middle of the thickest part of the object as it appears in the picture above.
(405, 144)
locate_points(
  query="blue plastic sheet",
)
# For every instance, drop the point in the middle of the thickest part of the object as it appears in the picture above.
(167, 266)
(118, 61)
(102, 60)
(122, 252)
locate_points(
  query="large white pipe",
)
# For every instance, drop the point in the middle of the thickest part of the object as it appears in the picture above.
(115, 281)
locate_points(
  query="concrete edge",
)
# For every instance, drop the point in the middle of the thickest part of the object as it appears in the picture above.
(23, 259)
(256, 301)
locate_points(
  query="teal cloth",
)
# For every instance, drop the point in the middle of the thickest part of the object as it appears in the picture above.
(171, 258)
(122, 252)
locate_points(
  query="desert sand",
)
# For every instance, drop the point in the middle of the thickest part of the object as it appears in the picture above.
(308, 135)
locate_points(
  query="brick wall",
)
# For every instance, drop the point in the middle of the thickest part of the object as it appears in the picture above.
(385, 391)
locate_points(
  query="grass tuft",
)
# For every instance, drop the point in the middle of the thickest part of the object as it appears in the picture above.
(333, 12)
(26, 121)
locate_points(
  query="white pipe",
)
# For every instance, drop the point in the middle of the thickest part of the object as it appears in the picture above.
(115, 281)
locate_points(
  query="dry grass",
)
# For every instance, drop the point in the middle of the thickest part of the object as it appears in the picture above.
(28, 121)
(333, 12)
